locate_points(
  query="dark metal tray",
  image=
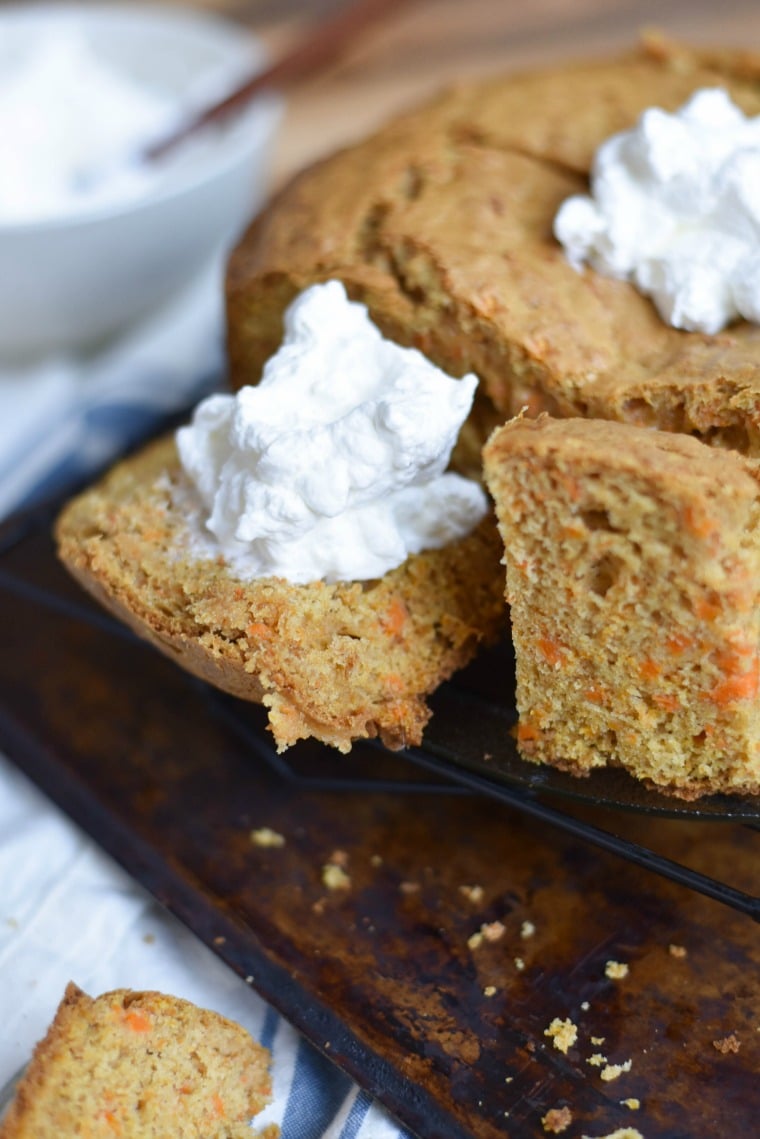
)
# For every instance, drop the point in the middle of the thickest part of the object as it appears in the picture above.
(171, 777)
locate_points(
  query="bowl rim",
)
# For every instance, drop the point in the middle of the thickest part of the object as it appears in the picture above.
(230, 146)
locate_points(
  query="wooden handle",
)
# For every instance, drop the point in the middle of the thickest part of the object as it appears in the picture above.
(319, 48)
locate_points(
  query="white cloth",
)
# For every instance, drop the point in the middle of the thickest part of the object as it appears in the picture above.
(67, 912)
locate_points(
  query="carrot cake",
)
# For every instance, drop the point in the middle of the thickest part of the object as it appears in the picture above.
(337, 662)
(140, 1065)
(633, 576)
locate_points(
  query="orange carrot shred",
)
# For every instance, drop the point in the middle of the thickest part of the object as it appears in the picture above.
(678, 643)
(550, 650)
(138, 1022)
(743, 686)
(395, 618)
(259, 629)
(670, 703)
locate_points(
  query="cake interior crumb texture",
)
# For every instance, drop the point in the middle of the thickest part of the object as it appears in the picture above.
(633, 575)
(337, 662)
(139, 1065)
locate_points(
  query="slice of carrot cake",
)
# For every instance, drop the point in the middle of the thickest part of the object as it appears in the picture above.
(139, 1065)
(633, 575)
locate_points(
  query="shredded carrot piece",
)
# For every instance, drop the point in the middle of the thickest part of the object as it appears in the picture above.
(678, 643)
(526, 732)
(743, 686)
(699, 523)
(571, 485)
(551, 650)
(259, 629)
(394, 682)
(669, 703)
(596, 694)
(649, 669)
(113, 1122)
(395, 618)
(706, 610)
(218, 1103)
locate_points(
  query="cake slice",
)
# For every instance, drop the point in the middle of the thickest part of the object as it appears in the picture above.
(337, 662)
(633, 575)
(139, 1065)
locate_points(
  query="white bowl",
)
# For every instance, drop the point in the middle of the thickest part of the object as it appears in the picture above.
(70, 282)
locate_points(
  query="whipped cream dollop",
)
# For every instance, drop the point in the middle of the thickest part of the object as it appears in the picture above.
(71, 124)
(334, 466)
(675, 208)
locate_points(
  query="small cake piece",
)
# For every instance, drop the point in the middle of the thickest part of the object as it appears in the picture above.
(337, 662)
(140, 1065)
(633, 573)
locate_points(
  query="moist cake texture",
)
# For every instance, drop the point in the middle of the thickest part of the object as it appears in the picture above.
(338, 662)
(442, 224)
(633, 576)
(140, 1065)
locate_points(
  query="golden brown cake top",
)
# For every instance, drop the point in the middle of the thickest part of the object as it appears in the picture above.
(442, 223)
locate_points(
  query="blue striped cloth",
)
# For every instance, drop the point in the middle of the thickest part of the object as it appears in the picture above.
(59, 422)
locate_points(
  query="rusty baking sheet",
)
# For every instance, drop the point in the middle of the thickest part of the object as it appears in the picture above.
(385, 976)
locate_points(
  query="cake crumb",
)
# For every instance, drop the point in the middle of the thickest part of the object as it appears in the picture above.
(598, 1039)
(409, 887)
(614, 1071)
(265, 836)
(616, 970)
(727, 1044)
(557, 1119)
(597, 1060)
(334, 877)
(527, 929)
(633, 1103)
(473, 894)
(678, 951)
(376, 860)
(219, 940)
(585, 1006)
(508, 1079)
(519, 964)
(339, 858)
(149, 938)
(489, 931)
(489, 991)
(563, 1033)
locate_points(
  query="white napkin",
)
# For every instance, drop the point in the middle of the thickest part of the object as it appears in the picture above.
(67, 912)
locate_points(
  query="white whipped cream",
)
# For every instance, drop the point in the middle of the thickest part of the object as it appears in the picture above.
(334, 466)
(69, 125)
(675, 208)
